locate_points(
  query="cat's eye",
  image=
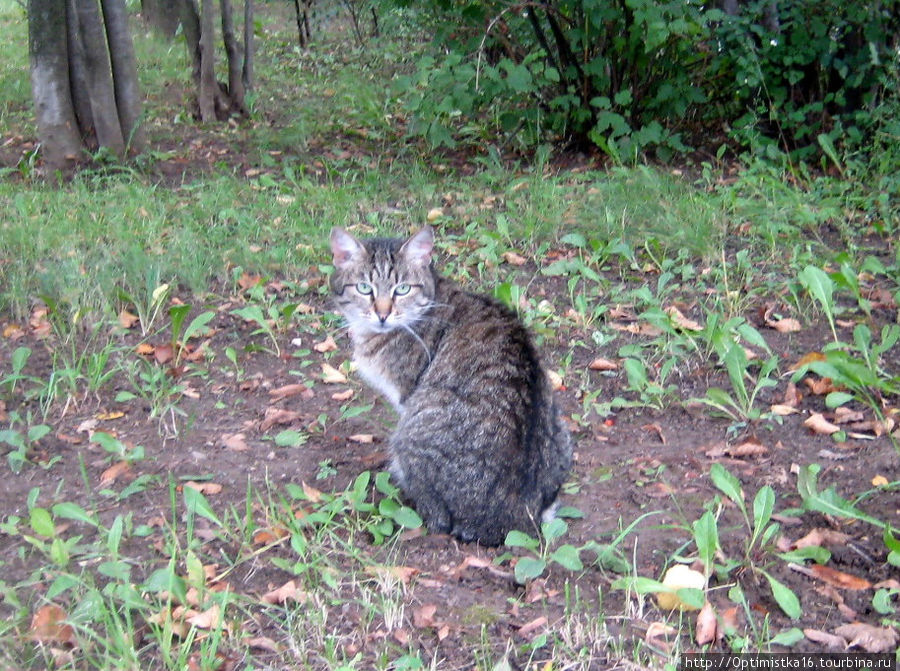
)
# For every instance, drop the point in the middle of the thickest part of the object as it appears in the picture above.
(402, 289)
(364, 288)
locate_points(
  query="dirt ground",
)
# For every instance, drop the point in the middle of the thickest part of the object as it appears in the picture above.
(637, 462)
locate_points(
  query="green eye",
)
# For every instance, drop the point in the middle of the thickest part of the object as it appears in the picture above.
(364, 288)
(401, 289)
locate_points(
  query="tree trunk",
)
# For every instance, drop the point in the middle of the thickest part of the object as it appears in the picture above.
(163, 15)
(78, 79)
(206, 97)
(100, 87)
(247, 73)
(235, 62)
(57, 126)
(124, 71)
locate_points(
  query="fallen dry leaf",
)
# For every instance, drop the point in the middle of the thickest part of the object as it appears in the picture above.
(829, 640)
(682, 322)
(748, 448)
(821, 386)
(163, 353)
(514, 259)
(362, 438)
(533, 626)
(262, 643)
(868, 637)
(822, 537)
(208, 619)
(423, 616)
(204, 487)
(270, 535)
(287, 592)
(657, 429)
(345, 395)
(236, 442)
(13, 332)
(808, 358)
(792, 396)
(845, 415)
(837, 578)
(556, 381)
(327, 345)
(107, 416)
(402, 573)
(434, 214)
(114, 472)
(291, 390)
(144, 349)
(128, 320)
(657, 630)
(879, 481)
(248, 281)
(48, 625)
(331, 375)
(783, 410)
(603, 364)
(706, 628)
(785, 325)
(312, 494)
(818, 424)
(275, 416)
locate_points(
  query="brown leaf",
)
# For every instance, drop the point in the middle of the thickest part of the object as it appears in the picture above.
(287, 592)
(657, 630)
(48, 625)
(808, 358)
(114, 472)
(331, 375)
(792, 396)
(845, 415)
(818, 424)
(291, 390)
(423, 616)
(345, 395)
(144, 349)
(270, 535)
(603, 364)
(263, 643)
(362, 438)
(785, 325)
(128, 320)
(402, 573)
(556, 381)
(821, 386)
(868, 637)
(783, 410)
(890, 583)
(822, 537)
(837, 578)
(514, 259)
(13, 332)
(327, 345)
(107, 416)
(247, 281)
(533, 626)
(537, 591)
(657, 429)
(313, 495)
(705, 630)
(749, 448)
(236, 442)
(826, 639)
(208, 619)
(681, 321)
(204, 487)
(275, 416)
(163, 353)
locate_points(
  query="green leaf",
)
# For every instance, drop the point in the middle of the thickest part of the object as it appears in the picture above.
(72, 511)
(829, 501)
(197, 504)
(198, 324)
(691, 596)
(837, 398)
(290, 438)
(554, 529)
(519, 539)
(788, 637)
(784, 597)
(528, 568)
(728, 484)
(640, 584)
(408, 518)
(763, 507)
(42, 523)
(567, 557)
(706, 536)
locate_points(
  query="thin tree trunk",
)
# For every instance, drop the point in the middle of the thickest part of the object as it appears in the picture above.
(103, 99)
(190, 22)
(78, 78)
(206, 97)
(124, 71)
(57, 127)
(233, 53)
(247, 73)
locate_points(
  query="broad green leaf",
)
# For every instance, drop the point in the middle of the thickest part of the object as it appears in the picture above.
(42, 523)
(819, 285)
(197, 504)
(763, 506)
(528, 568)
(785, 598)
(706, 536)
(691, 596)
(519, 539)
(198, 324)
(554, 529)
(640, 584)
(567, 557)
(407, 517)
(72, 511)
(828, 501)
(788, 637)
(837, 398)
(728, 484)
(290, 438)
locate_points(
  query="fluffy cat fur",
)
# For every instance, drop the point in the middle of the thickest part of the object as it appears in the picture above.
(479, 447)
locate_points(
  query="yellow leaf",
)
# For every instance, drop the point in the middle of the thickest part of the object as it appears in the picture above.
(879, 481)
(331, 375)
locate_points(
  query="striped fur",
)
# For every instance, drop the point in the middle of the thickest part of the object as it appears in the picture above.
(479, 447)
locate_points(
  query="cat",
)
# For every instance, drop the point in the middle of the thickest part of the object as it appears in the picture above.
(479, 447)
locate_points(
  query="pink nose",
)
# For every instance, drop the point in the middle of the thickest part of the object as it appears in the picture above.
(383, 308)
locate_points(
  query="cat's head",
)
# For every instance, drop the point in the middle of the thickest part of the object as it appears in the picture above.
(381, 284)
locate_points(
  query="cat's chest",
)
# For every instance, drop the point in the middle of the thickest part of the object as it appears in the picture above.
(377, 364)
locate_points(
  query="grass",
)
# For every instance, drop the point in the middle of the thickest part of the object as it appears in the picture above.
(325, 148)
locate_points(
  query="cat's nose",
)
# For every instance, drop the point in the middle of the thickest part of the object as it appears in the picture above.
(383, 308)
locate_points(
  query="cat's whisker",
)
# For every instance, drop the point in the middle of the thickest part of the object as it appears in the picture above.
(415, 335)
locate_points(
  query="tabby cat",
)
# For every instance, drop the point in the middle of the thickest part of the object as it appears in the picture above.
(479, 447)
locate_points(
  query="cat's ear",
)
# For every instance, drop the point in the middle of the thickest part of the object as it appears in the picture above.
(344, 247)
(417, 249)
